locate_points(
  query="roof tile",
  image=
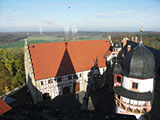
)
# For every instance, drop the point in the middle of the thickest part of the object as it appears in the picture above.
(4, 107)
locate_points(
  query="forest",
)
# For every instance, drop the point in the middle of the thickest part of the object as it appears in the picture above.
(12, 73)
(8, 38)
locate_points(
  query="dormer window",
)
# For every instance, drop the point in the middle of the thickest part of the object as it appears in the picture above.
(117, 80)
(129, 48)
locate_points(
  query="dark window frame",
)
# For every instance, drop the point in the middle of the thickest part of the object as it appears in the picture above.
(59, 79)
(50, 81)
(134, 85)
(41, 82)
(75, 76)
(69, 77)
(119, 79)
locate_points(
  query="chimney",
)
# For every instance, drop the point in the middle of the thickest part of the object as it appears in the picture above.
(109, 38)
(136, 39)
(128, 48)
(132, 38)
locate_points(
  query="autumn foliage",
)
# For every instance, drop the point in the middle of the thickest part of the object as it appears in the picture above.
(12, 72)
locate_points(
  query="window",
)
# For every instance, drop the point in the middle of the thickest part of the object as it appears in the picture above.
(118, 79)
(135, 85)
(41, 82)
(89, 74)
(55, 79)
(80, 75)
(69, 77)
(50, 81)
(75, 76)
(59, 79)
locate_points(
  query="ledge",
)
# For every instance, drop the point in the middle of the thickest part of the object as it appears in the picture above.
(143, 96)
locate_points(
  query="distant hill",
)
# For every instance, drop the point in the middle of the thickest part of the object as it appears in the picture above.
(10, 40)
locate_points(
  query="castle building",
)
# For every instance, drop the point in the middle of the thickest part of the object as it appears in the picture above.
(61, 68)
(134, 73)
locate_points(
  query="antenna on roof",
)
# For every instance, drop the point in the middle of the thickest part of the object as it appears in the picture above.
(141, 32)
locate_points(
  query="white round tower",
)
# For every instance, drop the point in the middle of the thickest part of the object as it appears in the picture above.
(134, 82)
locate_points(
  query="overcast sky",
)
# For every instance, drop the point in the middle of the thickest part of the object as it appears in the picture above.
(92, 15)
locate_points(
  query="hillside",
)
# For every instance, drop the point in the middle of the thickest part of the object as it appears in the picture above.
(10, 40)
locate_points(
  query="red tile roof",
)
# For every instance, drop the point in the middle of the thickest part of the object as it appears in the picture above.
(4, 107)
(61, 58)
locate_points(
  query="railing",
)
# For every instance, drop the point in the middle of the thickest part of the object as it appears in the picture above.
(131, 108)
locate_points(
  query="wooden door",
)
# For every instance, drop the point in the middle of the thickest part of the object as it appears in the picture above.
(66, 90)
(77, 87)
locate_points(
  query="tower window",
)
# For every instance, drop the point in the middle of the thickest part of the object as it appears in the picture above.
(135, 85)
(118, 79)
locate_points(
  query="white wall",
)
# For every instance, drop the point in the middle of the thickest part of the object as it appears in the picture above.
(133, 102)
(30, 81)
(144, 85)
(56, 88)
